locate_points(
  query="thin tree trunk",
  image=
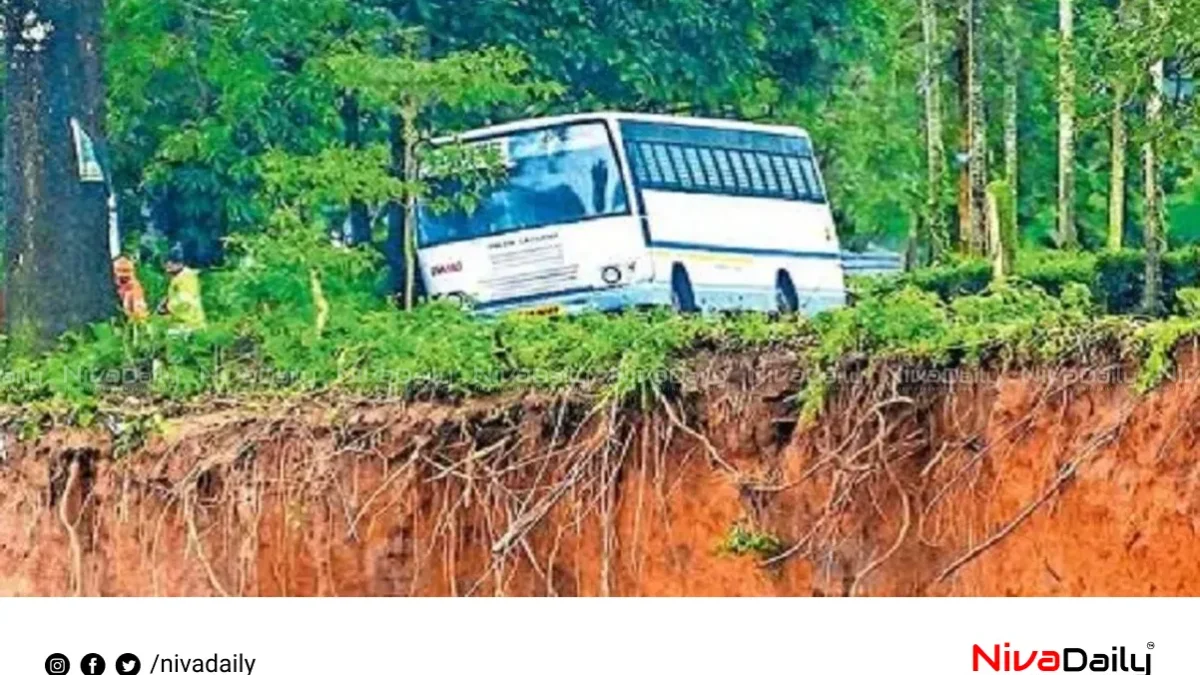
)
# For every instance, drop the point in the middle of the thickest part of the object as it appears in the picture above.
(935, 148)
(1068, 237)
(393, 249)
(1012, 160)
(59, 274)
(360, 216)
(1116, 191)
(410, 209)
(963, 189)
(977, 125)
(1155, 235)
(395, 245)
(999, 256)
(1002, 222)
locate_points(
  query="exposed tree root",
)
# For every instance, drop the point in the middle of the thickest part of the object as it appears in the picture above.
(194, 541)
(508, 496)
(1065, 474)
(75, 548)
(901, 536)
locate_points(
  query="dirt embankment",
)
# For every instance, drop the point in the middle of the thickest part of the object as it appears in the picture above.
(1017, 485)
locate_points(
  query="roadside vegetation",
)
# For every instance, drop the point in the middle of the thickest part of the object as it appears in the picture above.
(289, 317)
(247, 133)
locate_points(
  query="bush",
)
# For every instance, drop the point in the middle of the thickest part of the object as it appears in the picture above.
(1116, 278)
(967, 276)
(1054, 271)
(1121, 278)
(961, 276)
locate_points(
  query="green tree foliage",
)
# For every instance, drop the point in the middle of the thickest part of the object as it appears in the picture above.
(225, 116)
(203, 90)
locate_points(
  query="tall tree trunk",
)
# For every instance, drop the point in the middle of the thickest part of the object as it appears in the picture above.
(1012, 162)
(935, 148)
(1155, 234)
(411, 176)
(963, 149)
(1002, 195)
(360, 216)
(1068, 237)
(59, 274)
(977, 126)
(1000, 267)
(1116, 190)
(401, 247)
(393, 249)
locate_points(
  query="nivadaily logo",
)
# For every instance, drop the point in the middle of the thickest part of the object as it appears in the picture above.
(1069, 660)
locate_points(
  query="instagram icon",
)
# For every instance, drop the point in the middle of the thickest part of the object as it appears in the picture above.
(57, 664)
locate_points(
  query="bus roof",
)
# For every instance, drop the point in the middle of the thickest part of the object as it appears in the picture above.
(540, 122)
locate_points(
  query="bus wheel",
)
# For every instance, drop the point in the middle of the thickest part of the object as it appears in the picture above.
(683, 297)
(786, 298)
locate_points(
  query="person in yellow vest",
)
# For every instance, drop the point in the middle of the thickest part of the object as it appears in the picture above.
(183, 303)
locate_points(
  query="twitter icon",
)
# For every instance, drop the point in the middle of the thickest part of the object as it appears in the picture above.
(129, 664)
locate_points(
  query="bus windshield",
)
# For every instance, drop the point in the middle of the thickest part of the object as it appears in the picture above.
(557, 175)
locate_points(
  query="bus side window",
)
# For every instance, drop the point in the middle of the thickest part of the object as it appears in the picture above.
(757, 182)
(803, 190)
(785, 181)
(652, 168)
(669, 177)
(743, 175)
(725, 168)
(764, 163)
(699, 177)
(680, 166)
(810, 174)
(710, 170)
(637, 162)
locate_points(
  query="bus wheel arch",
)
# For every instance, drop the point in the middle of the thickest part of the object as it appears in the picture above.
(787, 300)
(683, 293)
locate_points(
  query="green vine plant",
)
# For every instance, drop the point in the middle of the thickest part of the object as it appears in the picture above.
(745, 540)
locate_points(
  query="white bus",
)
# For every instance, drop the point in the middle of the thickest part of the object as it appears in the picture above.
(613, 210)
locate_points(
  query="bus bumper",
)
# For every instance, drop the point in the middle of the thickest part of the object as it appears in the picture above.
(715, 299)
(581, 300)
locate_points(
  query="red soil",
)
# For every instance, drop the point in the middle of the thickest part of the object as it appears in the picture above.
(398, 500)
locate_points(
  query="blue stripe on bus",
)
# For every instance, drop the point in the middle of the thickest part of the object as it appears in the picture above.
(785, 253)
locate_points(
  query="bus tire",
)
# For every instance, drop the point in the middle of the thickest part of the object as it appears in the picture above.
(786, 299)
(683, 296)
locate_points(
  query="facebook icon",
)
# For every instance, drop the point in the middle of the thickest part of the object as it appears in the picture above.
(92, 664)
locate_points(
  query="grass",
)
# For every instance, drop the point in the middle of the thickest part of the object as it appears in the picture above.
(381, 352)
(264, 339)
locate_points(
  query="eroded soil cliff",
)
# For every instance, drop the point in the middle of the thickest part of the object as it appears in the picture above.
(1061, 483)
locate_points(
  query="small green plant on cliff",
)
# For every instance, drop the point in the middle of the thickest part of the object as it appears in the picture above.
(746, 540)
(1156, 342)
(130, 434)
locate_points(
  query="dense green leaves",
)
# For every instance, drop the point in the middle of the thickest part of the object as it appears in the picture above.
(207, 95)
(202, 92)
(227, 121)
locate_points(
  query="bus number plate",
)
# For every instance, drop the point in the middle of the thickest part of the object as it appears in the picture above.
(545, 310)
